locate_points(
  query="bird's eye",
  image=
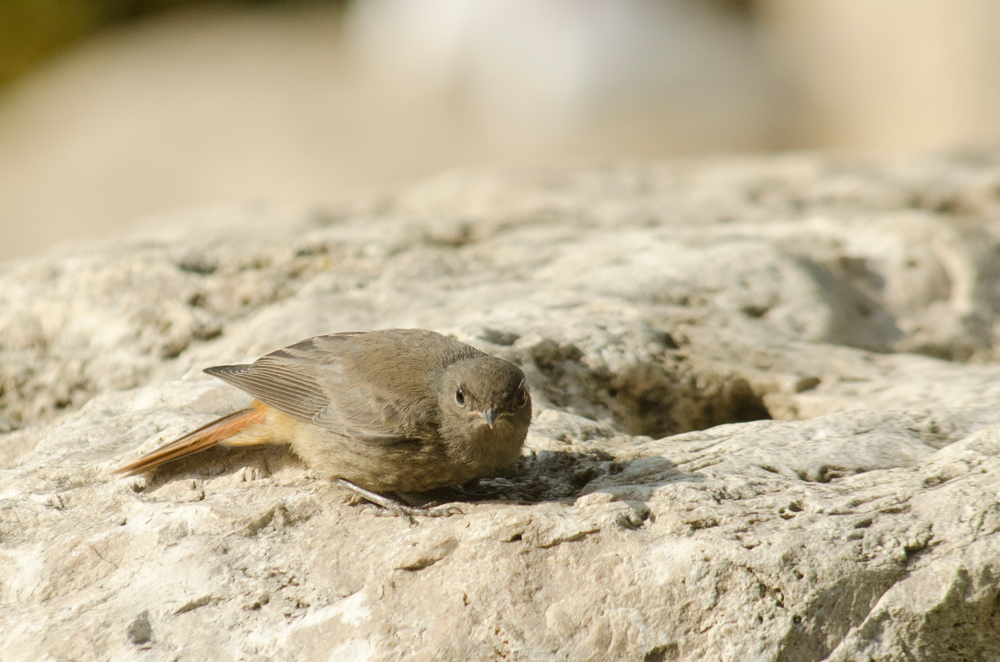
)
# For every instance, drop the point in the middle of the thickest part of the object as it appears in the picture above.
(460, 397)
(522, 398)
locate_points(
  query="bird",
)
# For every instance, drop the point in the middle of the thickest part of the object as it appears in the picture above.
(392, 410)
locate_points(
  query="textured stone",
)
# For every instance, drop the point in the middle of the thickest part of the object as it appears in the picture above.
(766, 423)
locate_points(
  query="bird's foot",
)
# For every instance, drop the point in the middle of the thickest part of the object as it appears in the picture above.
(395, 507)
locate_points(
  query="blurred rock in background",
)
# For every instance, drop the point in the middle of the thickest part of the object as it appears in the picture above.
(118, 110)
(889, 75)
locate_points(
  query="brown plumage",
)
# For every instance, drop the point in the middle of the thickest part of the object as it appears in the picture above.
(393, 410)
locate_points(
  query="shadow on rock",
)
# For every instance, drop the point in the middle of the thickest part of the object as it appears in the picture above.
(254, 462)
(565, 476)
(536, 478)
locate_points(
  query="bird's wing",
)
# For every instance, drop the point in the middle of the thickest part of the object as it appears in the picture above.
(324, 381)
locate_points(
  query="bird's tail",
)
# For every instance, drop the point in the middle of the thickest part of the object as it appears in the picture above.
(204, 437)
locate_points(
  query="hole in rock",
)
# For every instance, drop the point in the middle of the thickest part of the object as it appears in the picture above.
(669, 651)
(659, 398)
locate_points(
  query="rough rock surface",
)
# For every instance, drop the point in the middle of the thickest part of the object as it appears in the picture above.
(766, 424)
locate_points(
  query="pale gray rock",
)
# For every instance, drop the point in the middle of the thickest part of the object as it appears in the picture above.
(766, 426)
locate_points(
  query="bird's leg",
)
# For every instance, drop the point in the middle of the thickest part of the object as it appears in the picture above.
(394, 506)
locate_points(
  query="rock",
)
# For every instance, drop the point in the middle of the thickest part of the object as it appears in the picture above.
(766, 423)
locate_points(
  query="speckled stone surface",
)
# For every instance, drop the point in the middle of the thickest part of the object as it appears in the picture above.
(766, 423)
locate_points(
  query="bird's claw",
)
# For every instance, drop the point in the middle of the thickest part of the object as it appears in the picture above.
(385, 505)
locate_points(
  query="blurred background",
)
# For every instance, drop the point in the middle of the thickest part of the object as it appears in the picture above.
(115, 110)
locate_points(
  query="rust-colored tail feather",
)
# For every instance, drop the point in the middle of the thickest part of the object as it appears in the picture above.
(204, 437)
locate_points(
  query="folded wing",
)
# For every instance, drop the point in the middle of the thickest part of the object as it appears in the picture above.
(317, 380)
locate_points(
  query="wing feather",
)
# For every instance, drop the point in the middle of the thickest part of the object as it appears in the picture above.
(281, 389)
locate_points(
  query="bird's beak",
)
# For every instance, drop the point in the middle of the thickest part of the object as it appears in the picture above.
(490, 415)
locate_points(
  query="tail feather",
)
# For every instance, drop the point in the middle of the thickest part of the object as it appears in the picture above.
(204, 437)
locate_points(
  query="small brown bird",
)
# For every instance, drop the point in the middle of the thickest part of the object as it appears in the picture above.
(393, 410)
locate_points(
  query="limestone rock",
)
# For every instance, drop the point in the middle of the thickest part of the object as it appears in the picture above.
(766, 423)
